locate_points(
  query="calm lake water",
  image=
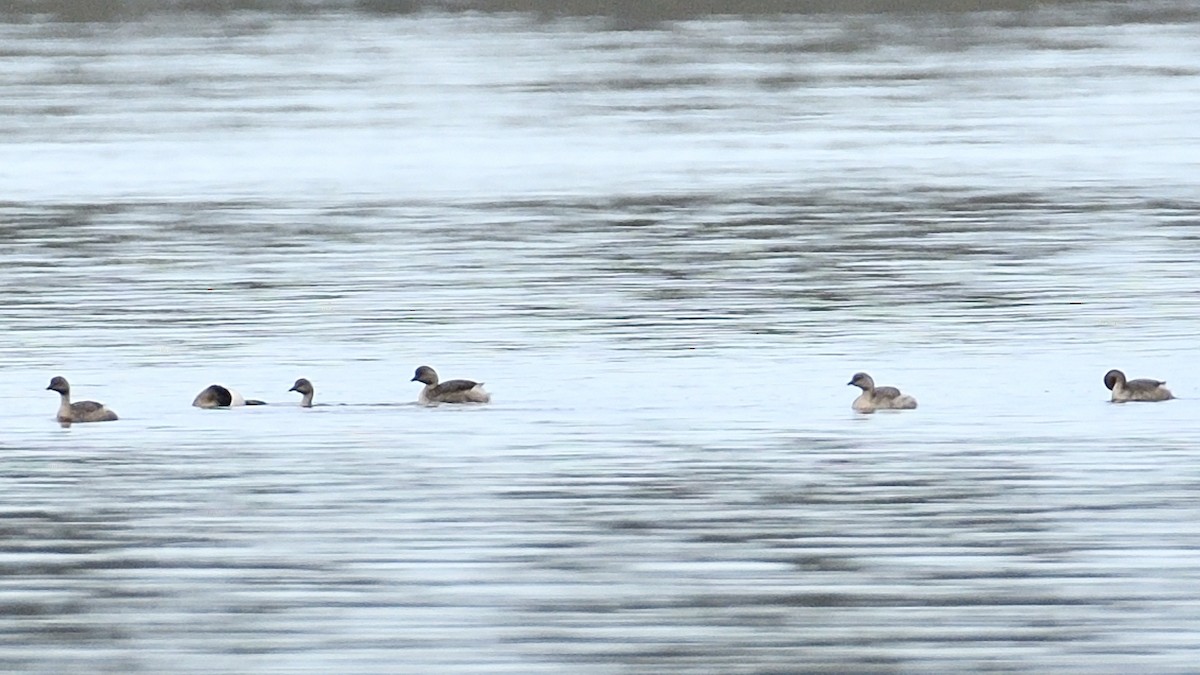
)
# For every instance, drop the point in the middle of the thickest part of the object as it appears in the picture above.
(664, 243)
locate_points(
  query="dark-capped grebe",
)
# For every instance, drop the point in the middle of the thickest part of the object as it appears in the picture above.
(216, 396)
(878, 398)
(306, 390)
(1135, 390)
(453, 391)
(83, 411)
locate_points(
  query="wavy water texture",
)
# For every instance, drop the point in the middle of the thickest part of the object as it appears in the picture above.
(665, 251)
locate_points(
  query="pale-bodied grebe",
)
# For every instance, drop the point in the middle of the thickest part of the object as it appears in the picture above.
(1135, 390)
(878, 398)
(452, 391)
(83, 411)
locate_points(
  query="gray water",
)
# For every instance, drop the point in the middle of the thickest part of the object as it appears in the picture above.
(664, 242)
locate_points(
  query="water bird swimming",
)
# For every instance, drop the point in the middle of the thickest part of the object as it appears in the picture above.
(83, 411)
(452, 391)
(306, 390)
(878, 398)
(216, 396)
(1135, 390)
